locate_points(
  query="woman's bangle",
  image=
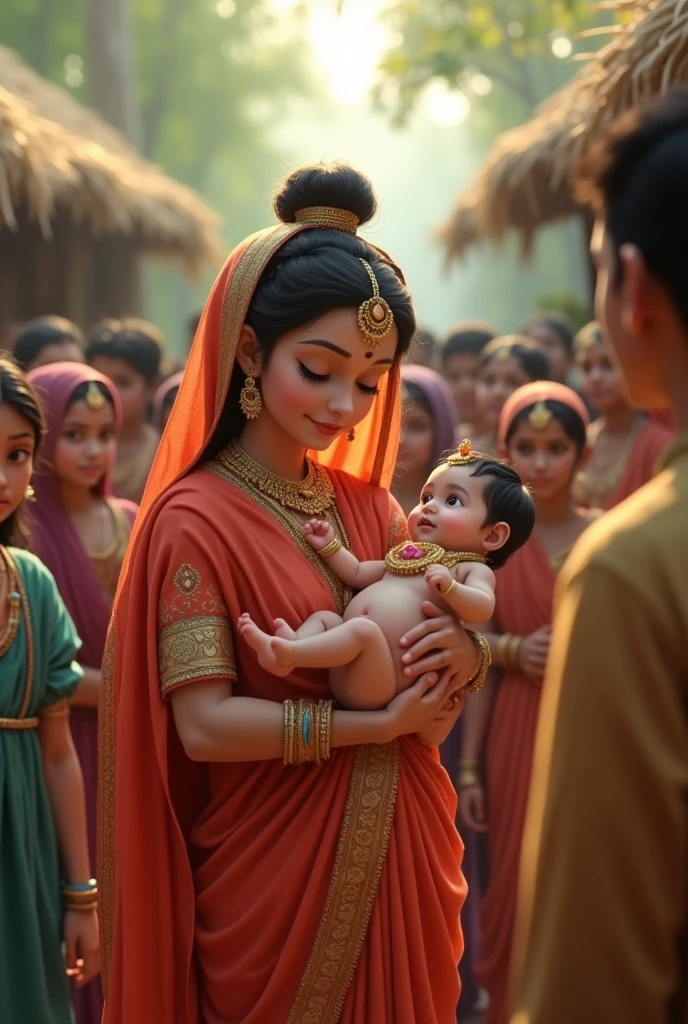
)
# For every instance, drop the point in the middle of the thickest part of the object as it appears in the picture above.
(467, 777)
(476, 682)
(330, 549)
(84, 887)
(513, 651)
(307, 727)
(508, 647)
(80, 897)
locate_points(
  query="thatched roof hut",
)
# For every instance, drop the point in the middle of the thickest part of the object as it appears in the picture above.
(73, 188)
(525, 181)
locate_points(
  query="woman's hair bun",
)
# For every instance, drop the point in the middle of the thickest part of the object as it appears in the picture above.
(337, 185)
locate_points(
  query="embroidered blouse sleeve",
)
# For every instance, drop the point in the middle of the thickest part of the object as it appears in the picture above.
(195, 639)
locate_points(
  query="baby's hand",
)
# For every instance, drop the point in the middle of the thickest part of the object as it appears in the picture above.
(319, 533)
(438, 577)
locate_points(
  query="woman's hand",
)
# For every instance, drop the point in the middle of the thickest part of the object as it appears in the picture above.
(444, 723)
(439, 643)
(419, 707)
(319, 533)
(472, 807)
(82, 945)
(532, 653)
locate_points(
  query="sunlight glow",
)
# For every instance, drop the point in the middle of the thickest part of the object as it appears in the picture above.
(562, 47)
(444, 106)
(348, 46)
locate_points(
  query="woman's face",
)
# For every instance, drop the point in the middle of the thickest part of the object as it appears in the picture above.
(544, 458)
(135, 392)
(461, 374)
(417, 440)
(600, 379)
(498, 379)
(322, 379)
(17, 445)
(553, 347)
(86, 446)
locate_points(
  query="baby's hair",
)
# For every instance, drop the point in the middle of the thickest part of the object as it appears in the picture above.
(507, 500)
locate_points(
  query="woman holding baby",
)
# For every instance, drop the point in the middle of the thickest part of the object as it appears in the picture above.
(264, 857)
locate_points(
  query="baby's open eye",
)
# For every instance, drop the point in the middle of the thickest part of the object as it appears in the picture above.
(425, 498)
(454, 500)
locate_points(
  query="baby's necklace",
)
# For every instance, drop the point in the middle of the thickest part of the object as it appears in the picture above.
(410, 558)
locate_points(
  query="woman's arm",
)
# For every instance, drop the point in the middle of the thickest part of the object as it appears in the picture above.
(215, 726)
(65, 786)
(88, 691)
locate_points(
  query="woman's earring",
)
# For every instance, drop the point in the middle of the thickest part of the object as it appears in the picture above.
(30, 494)
(351, 436)
(250, 401)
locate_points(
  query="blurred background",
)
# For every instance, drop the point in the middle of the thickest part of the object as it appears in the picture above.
(224, 96)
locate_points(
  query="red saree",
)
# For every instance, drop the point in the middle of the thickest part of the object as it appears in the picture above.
(247, 893)
(525, 590)
(653, 439)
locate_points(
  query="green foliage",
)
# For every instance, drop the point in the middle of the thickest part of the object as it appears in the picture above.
(507, 41)
(576, 310)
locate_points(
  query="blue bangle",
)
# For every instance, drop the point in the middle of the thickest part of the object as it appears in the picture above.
(86, 887)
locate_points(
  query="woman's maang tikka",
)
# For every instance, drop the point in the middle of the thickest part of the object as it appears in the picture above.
(375, 318)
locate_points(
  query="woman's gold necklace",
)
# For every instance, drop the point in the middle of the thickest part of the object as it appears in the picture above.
(312, 496)
(9, 630)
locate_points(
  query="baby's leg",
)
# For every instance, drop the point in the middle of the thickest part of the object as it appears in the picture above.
(263, 644)
(359, 646)
(317, 623)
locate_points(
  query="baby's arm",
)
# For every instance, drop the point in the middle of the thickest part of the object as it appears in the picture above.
(473, 600)
(357, 575)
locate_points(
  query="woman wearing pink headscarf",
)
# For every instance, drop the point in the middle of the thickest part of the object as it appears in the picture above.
(81, 534)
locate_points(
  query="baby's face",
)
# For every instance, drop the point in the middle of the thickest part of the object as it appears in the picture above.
(451, 511)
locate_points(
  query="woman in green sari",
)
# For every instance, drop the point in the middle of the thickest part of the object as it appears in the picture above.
(48, 928)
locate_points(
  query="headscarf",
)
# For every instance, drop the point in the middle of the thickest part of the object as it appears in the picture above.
(539, 391)
(161, 394)
(131, 651)
(52, 534)
(441, 402)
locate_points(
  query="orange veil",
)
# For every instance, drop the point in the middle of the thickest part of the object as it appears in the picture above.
(127, 716)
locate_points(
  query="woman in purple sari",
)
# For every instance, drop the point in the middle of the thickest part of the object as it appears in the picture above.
(81, 533)
(428, 430)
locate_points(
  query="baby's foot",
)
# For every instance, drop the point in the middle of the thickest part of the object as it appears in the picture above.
(284, 630)
(264, 646)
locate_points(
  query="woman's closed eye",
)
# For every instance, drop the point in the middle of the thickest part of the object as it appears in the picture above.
(315, 378)
(368, 389)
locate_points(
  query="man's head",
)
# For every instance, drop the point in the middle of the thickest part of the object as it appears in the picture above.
(635, 180)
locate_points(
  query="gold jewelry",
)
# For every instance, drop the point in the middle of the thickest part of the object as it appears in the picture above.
(463, 456)
(589, 336)
(95, 399)
(249, 399)
(467, 777)
(80, 898)
(328, 217)
(477, 681)
(351, 435)
(503, 354)
(56, 710)
(540, 416)
(375, 318)
(409, 558)
(29, 493)
(324, 719)
(19, 723)
(13, 594)
(289, 734)
(452, 586)
(313, 496)
(331, 549)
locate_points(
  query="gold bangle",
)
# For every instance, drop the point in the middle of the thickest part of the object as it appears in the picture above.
(288, 732)
(469, 762)
(330, 549)
(325, 719)
(80, 907)
(476, 683)
(468, 777)
(447, 592)
(502, 648)
(512, 653)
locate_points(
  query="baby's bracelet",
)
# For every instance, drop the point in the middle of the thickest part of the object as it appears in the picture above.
(331, 548)
(447, 592)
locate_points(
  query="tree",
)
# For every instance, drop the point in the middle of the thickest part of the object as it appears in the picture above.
(516, 46)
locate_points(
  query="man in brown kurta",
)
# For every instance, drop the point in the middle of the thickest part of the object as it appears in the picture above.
(603, 918)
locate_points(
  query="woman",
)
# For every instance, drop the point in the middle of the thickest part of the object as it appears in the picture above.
(42, 815)
(505, 364)
(427, 430)
(164, 400)
(625, 444)
(81, 533)
(258, 890)
(461, 350)
(542, 431)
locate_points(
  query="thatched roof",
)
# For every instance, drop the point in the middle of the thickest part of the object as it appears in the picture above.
(57, 155)
(525, 181)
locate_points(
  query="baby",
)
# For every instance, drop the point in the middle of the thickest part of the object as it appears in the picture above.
(474, 512)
